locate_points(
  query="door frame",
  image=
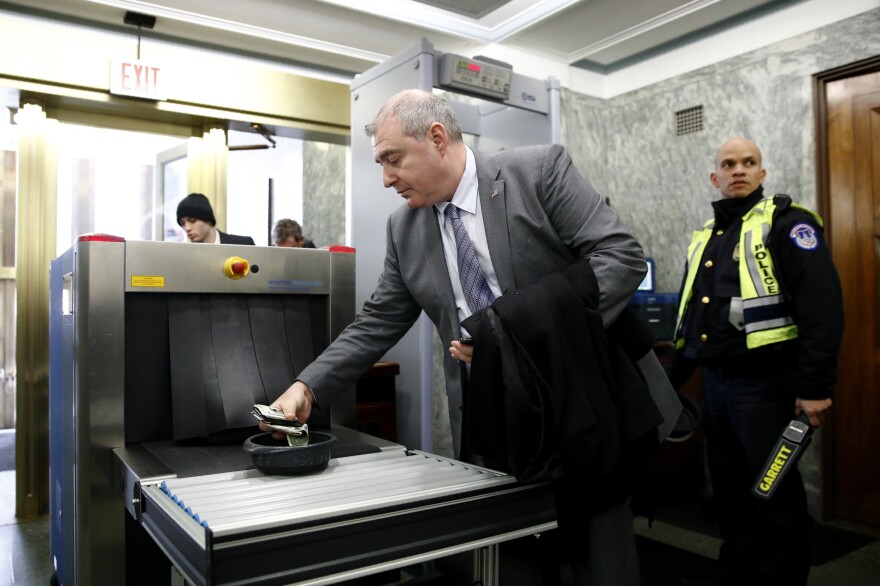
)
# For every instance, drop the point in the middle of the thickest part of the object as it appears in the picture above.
(164, 158)
(820, 116)
(823, 204)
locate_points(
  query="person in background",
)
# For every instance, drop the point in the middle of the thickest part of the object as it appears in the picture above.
(289, 234)
(196, 217)
(525, 213)
(761, 312)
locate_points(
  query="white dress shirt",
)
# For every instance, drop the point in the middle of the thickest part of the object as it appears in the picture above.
(467, 200)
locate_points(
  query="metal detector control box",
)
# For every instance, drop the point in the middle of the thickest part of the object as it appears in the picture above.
(471, 75)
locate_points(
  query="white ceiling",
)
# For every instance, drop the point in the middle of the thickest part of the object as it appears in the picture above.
(350, 36)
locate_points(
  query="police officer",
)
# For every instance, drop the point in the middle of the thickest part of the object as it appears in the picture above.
(761, 312)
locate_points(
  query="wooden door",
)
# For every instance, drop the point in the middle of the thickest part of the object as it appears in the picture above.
(852, 206)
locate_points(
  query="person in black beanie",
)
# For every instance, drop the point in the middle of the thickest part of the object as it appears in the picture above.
(195, 216)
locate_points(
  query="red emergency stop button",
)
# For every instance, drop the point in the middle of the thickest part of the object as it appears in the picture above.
(236, 267)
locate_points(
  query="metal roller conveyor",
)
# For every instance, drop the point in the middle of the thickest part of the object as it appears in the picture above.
(252, 500)
(359, 515)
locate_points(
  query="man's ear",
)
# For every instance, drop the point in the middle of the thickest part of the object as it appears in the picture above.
(714, 179)
(438, 137)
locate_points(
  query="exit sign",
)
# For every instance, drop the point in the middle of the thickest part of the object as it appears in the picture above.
(138, 79)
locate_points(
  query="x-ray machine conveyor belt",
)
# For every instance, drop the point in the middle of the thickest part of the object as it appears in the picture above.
(360, 515)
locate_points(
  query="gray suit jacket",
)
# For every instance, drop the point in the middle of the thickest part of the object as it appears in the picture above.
(540, 216)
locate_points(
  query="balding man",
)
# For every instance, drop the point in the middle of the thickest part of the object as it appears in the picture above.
(475, 228)
(761, 311)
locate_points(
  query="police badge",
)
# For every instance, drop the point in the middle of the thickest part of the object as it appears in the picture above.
(804, 236)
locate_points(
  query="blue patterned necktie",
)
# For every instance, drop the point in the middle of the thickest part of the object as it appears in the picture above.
(473, 281)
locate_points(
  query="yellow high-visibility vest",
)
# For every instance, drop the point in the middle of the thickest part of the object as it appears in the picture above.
(766, 316)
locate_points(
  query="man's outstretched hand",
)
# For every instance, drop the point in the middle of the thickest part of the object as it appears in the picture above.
(296, 403)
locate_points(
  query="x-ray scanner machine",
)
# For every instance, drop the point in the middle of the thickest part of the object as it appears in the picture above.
(498, 109)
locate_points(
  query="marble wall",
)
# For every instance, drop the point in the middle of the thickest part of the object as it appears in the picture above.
(324, 193)
(659, 182)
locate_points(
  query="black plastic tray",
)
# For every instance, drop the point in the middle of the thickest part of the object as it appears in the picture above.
(273, 456)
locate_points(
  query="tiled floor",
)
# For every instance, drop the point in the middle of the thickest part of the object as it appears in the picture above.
(24, 545)
(860, 567)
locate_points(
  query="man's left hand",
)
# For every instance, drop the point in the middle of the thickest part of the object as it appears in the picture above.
(815, 410)
(461, 351)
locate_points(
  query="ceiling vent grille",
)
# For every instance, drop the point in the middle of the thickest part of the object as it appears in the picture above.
(689, 121)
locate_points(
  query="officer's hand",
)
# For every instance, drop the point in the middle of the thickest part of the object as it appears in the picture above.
(815, 410)
(462, 351)
(296, 403)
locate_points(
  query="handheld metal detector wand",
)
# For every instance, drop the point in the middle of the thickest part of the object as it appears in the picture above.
(785, 455)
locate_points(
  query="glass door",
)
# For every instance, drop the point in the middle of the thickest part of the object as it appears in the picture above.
(107, 183)
(171, 187)
(7, 288)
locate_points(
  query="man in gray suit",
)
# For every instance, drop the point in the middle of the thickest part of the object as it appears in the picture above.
(527, 212)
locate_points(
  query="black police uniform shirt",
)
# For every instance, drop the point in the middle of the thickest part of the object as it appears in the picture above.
(809, 283)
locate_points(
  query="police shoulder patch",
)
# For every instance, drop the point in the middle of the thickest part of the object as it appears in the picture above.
(804, 237)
